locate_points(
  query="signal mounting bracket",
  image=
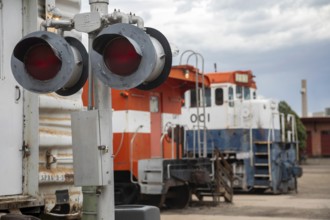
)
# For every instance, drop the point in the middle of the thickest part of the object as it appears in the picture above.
(87, 22)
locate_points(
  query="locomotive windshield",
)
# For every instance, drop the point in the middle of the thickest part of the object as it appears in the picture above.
(219, 96)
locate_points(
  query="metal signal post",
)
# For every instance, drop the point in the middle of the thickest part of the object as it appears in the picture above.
(102, 98)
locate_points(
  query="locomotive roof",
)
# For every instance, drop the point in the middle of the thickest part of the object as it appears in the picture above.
(185, 77)
(238, 77)
(187, 74)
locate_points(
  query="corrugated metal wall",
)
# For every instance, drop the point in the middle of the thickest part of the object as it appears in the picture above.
(55, 145)
(55, 153)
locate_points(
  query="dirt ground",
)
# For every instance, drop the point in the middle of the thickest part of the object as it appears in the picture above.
(311, 202)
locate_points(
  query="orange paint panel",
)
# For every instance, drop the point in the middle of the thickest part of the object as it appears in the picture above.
(84, 94)
(172, 99)
(132, 99)
(169, 150)
(121, 150)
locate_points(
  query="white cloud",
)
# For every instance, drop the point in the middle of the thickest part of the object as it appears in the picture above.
(224, 25)
(246, 20)
(284, 37)
(245, 25)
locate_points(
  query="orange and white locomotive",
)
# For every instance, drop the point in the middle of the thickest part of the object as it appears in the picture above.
(150, 161)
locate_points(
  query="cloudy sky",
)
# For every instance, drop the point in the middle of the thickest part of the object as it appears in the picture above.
(281, 41)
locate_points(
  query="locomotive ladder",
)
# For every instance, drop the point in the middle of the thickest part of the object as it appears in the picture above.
(262, 157)
(223, 177)
(222, 186)
(262, 164)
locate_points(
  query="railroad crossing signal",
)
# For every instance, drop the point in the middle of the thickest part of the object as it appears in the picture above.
(44, 62)
(125, 56)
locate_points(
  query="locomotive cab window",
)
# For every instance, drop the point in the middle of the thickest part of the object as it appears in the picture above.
(239, 92)
(207, 97)
(247, 95)
(231, 96)
(198, 100)
(193, 99)
(219, 96)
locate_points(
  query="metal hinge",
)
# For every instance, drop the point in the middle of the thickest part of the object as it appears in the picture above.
(50, 159)
(25, 149)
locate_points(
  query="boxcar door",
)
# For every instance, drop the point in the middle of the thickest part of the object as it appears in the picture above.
(11, 101)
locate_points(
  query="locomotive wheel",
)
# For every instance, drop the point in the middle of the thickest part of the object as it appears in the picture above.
(178, 197)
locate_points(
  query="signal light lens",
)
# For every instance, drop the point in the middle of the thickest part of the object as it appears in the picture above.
(41, 62)
(45, 62)
(120, 57)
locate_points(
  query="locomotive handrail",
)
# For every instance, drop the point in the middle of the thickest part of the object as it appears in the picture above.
(270, 131)
(251, 146)
(294, 133)
(297, 140)
(194, 142)
(185, 147)
(196, 128)
(172, 140)
(200, 103)
(121, 143)
(131, 152)
(282, 127)
(161, 144)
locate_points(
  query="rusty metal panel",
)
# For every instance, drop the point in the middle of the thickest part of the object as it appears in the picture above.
(55, 153)
(55, 145)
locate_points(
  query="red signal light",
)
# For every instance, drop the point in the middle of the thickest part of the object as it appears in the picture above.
(41, 62)
(44, 62)
(120, 57)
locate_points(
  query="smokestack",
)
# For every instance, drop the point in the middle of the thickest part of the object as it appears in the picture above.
(304, 110)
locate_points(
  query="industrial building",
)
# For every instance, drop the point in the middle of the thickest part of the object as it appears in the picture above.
(317, 127)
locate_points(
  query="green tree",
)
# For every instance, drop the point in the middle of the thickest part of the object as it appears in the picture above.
(302, 136)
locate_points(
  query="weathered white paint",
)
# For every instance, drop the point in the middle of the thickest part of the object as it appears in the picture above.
(129, 120)
(48, 135)
(11, 99)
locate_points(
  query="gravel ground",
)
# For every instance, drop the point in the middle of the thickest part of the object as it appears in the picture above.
(311, 202)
